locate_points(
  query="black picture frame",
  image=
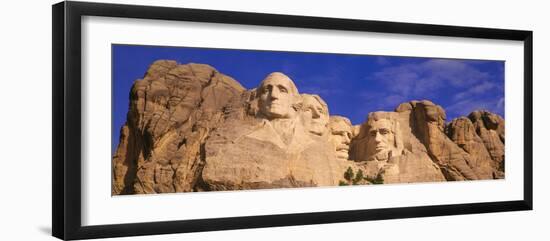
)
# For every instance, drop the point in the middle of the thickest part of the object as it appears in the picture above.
(67, 135)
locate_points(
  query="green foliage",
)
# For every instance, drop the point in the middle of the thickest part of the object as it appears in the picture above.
(358, 177)
(348, 175)
(378, 180)
(343, 183)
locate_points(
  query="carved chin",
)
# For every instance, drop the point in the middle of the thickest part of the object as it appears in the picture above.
(382, 155)
(342, 155)
(317, 129)
(342, 152)
(276, 112)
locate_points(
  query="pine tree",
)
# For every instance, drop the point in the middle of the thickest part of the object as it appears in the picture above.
(348, 175)
(358, 177)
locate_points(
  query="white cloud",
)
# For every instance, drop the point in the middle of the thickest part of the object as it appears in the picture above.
(500, 104)
(428, 79)
(465, 107)
(475, 90)
(456, 73)
(425, 77)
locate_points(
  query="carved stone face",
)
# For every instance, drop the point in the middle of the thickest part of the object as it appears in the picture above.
(315, 114)
(341, 133)
(277, 94)
(381, 139)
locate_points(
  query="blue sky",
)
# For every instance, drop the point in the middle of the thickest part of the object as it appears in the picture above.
(352, 85)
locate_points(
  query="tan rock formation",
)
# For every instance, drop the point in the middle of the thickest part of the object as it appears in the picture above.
(428, 122)
(191, 128)
(380, 150)
(490, 128)
(273, 148)
(172, 109)
(463, 133)
(411, 168)
(341, 132)
(315, 114)
(379, 139)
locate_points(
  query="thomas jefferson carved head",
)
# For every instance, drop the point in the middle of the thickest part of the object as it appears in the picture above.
(315, 113)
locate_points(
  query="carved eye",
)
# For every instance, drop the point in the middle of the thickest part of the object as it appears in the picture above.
(266, 89)
(372, 133)
(283, 89)
(384, 131)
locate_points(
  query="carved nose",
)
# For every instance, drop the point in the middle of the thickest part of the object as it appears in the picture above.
(275, 94)
(378, 138)
(315, 114)
(346, 140)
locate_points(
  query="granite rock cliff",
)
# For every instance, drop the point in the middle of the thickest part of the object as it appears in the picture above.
(192, 128)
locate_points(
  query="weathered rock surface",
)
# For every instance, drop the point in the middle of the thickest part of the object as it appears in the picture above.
(281, 142)
(172, 110)
(427, 124)
(341, 134)
(387, 150)
(463, 133)
(191, 128)
(254, 157)
(490, 128)
(412, 168)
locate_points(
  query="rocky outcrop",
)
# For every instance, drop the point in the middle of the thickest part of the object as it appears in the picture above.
(428, 123)
(257, 159)
(490, 128)
(418, 132)
(191, 128)
(172, 110)
(411, 168)
(462, 132)
(387, 150)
